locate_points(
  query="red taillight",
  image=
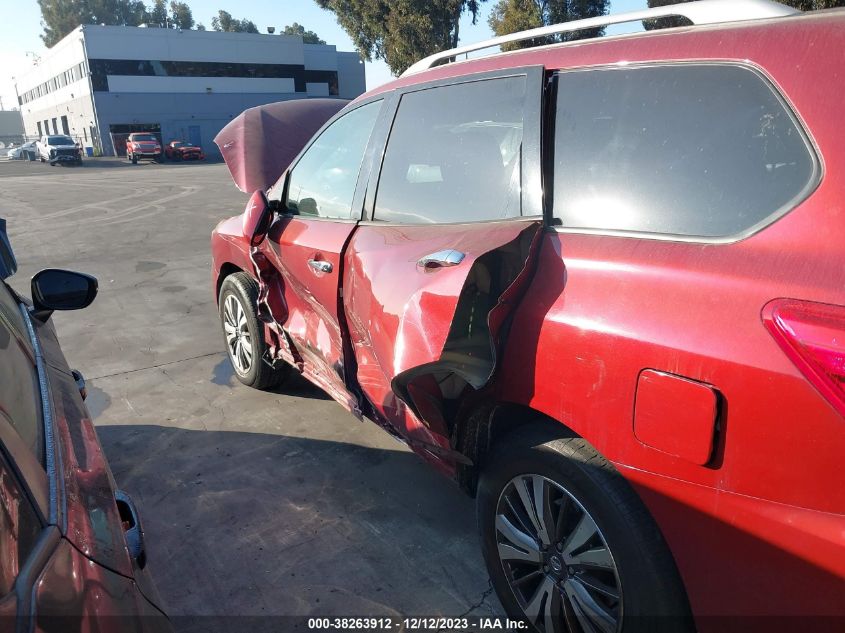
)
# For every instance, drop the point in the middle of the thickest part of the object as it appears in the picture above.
(813, 336)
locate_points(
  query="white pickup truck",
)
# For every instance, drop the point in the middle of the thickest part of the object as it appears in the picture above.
(58, 148)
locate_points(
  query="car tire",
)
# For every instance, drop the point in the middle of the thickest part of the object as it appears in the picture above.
(134, 159)
(42, 159)
(238, 316)
(625, 553)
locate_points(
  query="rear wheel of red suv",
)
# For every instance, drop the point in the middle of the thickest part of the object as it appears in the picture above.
(244, 335)
(568, 544)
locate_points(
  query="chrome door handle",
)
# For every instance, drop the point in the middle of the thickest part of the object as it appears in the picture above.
(320, 266)
(441, 259)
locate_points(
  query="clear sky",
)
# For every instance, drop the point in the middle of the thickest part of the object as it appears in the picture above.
(21, 27)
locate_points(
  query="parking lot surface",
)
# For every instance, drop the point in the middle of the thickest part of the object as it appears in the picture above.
(253, 503)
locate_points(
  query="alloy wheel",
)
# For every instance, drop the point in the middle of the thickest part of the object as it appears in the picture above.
(555, 559)
(238, 339)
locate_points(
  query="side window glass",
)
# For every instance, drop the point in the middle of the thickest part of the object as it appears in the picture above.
(702, 150)
(322, 183)
(20, 393)
(454, 154)
(19, 528)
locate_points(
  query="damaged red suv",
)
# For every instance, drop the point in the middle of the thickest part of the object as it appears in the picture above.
(601, 285)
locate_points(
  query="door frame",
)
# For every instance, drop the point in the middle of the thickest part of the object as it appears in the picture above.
(278, 194)
(532, 134)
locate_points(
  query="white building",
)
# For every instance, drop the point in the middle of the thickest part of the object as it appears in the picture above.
(101, 83)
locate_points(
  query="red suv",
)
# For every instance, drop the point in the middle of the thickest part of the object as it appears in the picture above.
(601, 285)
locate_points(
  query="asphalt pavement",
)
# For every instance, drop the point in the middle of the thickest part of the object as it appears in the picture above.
(254, 503)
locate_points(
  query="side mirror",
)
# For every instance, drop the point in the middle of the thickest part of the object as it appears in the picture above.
(257, 218)
(55, 289)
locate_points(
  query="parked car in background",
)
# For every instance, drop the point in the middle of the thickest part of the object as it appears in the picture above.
(71, 544)
(143, 146)
(26, 151)
(600, 284)
(180, 150)
(59, 148)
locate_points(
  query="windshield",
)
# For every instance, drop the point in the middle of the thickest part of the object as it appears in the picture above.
(179, 144)
(143, 137)
(60, 140)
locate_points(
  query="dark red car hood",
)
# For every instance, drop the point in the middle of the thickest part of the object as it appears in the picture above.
(261, 142)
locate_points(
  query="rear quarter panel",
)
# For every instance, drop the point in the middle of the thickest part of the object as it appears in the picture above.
(757, 530)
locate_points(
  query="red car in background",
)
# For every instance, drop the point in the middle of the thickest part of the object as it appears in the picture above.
(601, 285)
(143, 145)
(180, 150)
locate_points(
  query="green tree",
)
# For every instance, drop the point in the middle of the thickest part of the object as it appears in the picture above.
(117, 12)
(60, 17)
(200, 26)
(157, 14)
(224, 21)
(401, 31)
(181, 16)
(803, 5)
(510, 16)
(309, 37)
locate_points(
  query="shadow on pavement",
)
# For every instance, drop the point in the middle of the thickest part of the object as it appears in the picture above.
(256, 524)
(295, 385)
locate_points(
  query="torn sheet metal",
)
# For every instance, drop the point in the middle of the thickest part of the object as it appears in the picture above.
(421, 335)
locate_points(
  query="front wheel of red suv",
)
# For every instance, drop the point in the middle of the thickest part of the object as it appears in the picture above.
(243, 334)
(569, 545)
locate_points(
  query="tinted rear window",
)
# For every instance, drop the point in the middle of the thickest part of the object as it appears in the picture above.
(690, 150)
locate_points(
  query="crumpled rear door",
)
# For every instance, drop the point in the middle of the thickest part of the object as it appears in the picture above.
(430, 282)
(426, 326)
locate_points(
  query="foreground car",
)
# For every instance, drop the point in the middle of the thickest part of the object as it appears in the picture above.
(600, 284)
(71, 544)
(179, 150)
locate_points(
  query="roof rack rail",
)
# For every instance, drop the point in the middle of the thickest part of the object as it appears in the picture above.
(701, 12)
